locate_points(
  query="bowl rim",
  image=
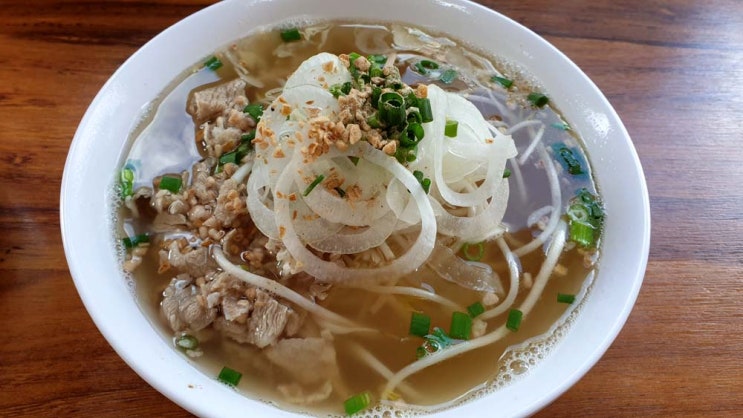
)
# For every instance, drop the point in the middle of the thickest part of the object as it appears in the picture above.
(197, 398)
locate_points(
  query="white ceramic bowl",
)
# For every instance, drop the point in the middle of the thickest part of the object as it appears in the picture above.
(100, 141)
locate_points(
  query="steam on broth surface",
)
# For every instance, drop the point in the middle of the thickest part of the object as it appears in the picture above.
(327, 217)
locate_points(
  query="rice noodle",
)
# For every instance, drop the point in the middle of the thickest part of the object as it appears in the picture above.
(414, 292)
(556, 203)
(538, 137)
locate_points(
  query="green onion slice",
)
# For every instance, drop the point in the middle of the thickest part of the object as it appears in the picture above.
(502, 81)
(377, 59)
(290, 35)
(538, 99)
(565, 298)
(448, 76)
(412, 135)
(171, 183)
(391, 108)
(506, 173)
(229, 376)
(450, 129)
(424, 107)
(514, 319)
(314, 184)
(213, 63)
(131, 242)
(461, 326)
(475, 309)
(473, 256)
(419, 324)
(126, 179)
(255, 111)
(425, 66)
(582, 233)
(357, 403)
(187, 342)
(563, 126)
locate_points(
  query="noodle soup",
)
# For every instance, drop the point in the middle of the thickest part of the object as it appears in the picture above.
(344, 218)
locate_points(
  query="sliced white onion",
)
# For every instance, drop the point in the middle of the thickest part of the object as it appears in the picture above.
(327, 271)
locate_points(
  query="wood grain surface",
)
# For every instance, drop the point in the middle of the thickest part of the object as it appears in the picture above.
(672, 69)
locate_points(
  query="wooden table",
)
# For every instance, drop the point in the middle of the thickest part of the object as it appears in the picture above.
(672, 69)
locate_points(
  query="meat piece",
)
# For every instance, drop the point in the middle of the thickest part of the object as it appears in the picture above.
(298, 395)
(265, 324)
(194, 261)
(308, 360)
(184, 306)
(268, 320)
(235, 309)
(208, 103)
(166, 222)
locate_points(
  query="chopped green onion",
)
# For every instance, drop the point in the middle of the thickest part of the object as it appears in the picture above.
(475, 309)
(448, 76)
(412, 135)
(131, 242)
(424, 107)
(582, 233)
(506, 173)
(126, 179)
(568, 158)
(502, 81)
(419, 324)
(312, 185)
(290, 35)
(424, 66)
(346, 87)
(377, 59)
(229, 376)
(255, 111)
(565, 298)
(187, 342)
(435, 341)
(375, 71)
(341, 192)
(373, 121)
(411, 100)
(335, 90)
(538, 99)
(476, 256)
(414, 117)
(171, 183)
(461, 326)
(408, 155)
(248, 137)
(563, 126)
(213, 63)
(357, 403)
(376, 92)
(450, 129)
(354, 160)
(391, 109)
(514, 319)
(425, 182)
(230, 157)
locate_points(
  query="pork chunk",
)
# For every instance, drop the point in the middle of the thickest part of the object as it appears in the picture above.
(268, 319)
(308, 360)
(208, 103)
(185, 307)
